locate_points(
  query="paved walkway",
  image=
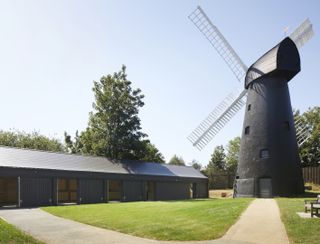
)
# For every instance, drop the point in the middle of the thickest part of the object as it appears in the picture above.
(260, 223)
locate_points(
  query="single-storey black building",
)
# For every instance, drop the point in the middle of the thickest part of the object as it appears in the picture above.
(30, 178)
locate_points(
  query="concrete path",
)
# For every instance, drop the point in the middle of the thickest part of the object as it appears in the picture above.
(260, 223)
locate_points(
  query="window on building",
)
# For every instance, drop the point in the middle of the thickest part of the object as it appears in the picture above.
(67, 190)
(115, 190)
(8, 191)
(264, 153)
(247, 130)
(249, 107)
(287, 125)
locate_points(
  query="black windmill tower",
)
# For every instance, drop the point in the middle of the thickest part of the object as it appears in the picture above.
(269, 163)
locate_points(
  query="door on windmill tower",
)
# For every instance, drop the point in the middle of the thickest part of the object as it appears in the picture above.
(265, 188)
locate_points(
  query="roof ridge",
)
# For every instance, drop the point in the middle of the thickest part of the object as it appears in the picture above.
(54, 152)
(89, 156)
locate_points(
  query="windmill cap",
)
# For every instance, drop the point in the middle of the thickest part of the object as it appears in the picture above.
(282, 61)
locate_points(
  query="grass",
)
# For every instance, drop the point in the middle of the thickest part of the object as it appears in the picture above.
(298, 229)
(10, 234)
(171, 220)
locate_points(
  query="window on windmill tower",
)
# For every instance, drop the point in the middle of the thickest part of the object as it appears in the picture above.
(287, 125)
(264, 153)
(249, 107)
(247, 130)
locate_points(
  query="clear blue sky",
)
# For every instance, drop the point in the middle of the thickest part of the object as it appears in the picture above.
(51, 51)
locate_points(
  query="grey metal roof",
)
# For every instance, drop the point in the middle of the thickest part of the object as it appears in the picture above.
(25, 158)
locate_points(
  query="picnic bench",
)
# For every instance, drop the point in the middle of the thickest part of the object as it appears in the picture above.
(313, 206)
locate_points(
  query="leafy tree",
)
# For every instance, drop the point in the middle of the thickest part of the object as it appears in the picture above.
(232, 157)
(150, 153)
(310, 150)
(176, 160)
(114, 129)
(195, 164)
(73, 146)
(216, 165)
(32, 140)
(218, 159)
(114, 126)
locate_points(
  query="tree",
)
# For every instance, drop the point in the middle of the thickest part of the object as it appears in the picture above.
(114, 126)
(32, 140)
(150, 153)
(310, 150)
(216, 165)
(218, 159)
(195, 164)
(73, 146)
(114, 129)
(176, 160)
(232, 157)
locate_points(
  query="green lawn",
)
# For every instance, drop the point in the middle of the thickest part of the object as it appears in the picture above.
(299, 230)
(10, 234)
(171, 220)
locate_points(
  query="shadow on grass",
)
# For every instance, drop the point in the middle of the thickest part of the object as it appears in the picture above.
(189, 200)
(15, 208)
(307, 194)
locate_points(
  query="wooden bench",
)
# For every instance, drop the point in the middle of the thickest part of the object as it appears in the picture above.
(315, 209)
(312, 205)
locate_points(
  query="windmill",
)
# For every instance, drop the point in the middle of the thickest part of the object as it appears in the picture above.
(269, 162)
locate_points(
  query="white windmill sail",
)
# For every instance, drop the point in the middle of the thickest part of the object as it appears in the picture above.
(303, 137)
(302, 132)
(300, 36)
(217, 119)
(217, 40)
(303, 33)
(223, 113)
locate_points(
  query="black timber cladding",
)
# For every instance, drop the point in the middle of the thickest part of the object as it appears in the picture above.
(91, 191)
(269, 163)
(133, 191)
(38, 174)
(36, 192)
(165, 191)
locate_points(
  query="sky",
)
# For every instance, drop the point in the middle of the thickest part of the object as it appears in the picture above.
(52, 51)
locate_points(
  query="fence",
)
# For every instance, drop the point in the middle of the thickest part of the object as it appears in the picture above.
(311, 175)
(224, 181)
(221, 181)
